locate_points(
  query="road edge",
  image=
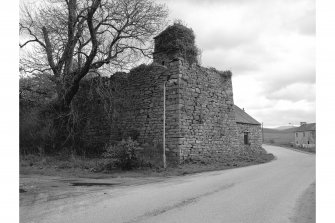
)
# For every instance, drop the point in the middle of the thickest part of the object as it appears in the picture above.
(305, 208)
(289, 148)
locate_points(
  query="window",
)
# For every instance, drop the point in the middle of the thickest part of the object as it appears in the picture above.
(303, 134)
(246, 138)
(296, 134)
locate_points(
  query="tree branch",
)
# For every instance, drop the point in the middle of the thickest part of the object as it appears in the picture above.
(22, 27)
(82, 72)
(48, 49)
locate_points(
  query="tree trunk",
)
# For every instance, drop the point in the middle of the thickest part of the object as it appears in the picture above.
(62, 119)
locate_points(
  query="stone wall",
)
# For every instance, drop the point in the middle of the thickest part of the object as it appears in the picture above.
(144, 87)
(200, 116)
(306, 140)
(207, 118)
(92, 130)
(130, 104)
(306, 137)
(255, 136)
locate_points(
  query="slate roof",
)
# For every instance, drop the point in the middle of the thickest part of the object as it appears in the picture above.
(242, 117)
(306, 127)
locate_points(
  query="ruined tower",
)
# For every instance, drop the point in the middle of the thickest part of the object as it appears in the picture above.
(176, 41)
(200, 116)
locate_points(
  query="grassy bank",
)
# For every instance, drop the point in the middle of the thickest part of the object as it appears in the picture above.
(279, 138)
(76, 166)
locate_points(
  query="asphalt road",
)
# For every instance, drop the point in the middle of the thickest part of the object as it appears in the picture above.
(266, 193)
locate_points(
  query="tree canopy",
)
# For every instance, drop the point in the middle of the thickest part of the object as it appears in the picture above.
(70, 38)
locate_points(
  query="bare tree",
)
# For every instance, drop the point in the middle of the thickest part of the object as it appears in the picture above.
(70, 38)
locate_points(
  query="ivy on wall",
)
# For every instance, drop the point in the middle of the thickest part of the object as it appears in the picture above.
(178, 40)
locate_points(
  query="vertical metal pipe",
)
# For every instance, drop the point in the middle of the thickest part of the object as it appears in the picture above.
(164, 157)
(262, 133)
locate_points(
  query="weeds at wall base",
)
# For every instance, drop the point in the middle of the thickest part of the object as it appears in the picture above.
(101, 168)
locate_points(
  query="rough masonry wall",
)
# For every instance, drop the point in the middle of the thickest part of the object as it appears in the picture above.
(144, 113)
(207, 119)
(255, 136)
(142, 104)
(131, 104)
(200, 116)
(92, 132)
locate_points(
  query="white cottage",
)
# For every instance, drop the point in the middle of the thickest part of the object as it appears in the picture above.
(304, 136)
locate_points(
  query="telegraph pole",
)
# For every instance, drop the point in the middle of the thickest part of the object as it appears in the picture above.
(262, 133)
(164, 157)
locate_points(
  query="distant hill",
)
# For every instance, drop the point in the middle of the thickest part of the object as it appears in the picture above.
(278, 130)
(268, 130)
(284, 127)
(289, 130)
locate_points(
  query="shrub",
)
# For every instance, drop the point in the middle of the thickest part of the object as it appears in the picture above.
(36, 94)
(133, 134)
(151, 155)
(36, 132)
(123, 154)
(178, 39)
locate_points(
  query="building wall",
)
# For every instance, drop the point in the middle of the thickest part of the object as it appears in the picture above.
(254, 134)
(145, 112)
(305, 138)
(134, 102)
(207, 117)
(200, 116)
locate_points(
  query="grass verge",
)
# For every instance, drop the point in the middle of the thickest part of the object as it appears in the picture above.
(308, 150)
(75, 166)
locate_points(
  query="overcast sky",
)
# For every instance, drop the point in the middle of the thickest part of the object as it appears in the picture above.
(269, 45)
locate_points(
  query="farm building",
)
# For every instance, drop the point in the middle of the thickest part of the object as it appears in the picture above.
(195, 103)
(304, 136)
(249, 130)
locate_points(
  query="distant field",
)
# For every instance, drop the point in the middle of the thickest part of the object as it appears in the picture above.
(282, 138)
(277, 137)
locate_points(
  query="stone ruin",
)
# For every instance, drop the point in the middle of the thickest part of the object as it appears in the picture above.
(200, 114)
